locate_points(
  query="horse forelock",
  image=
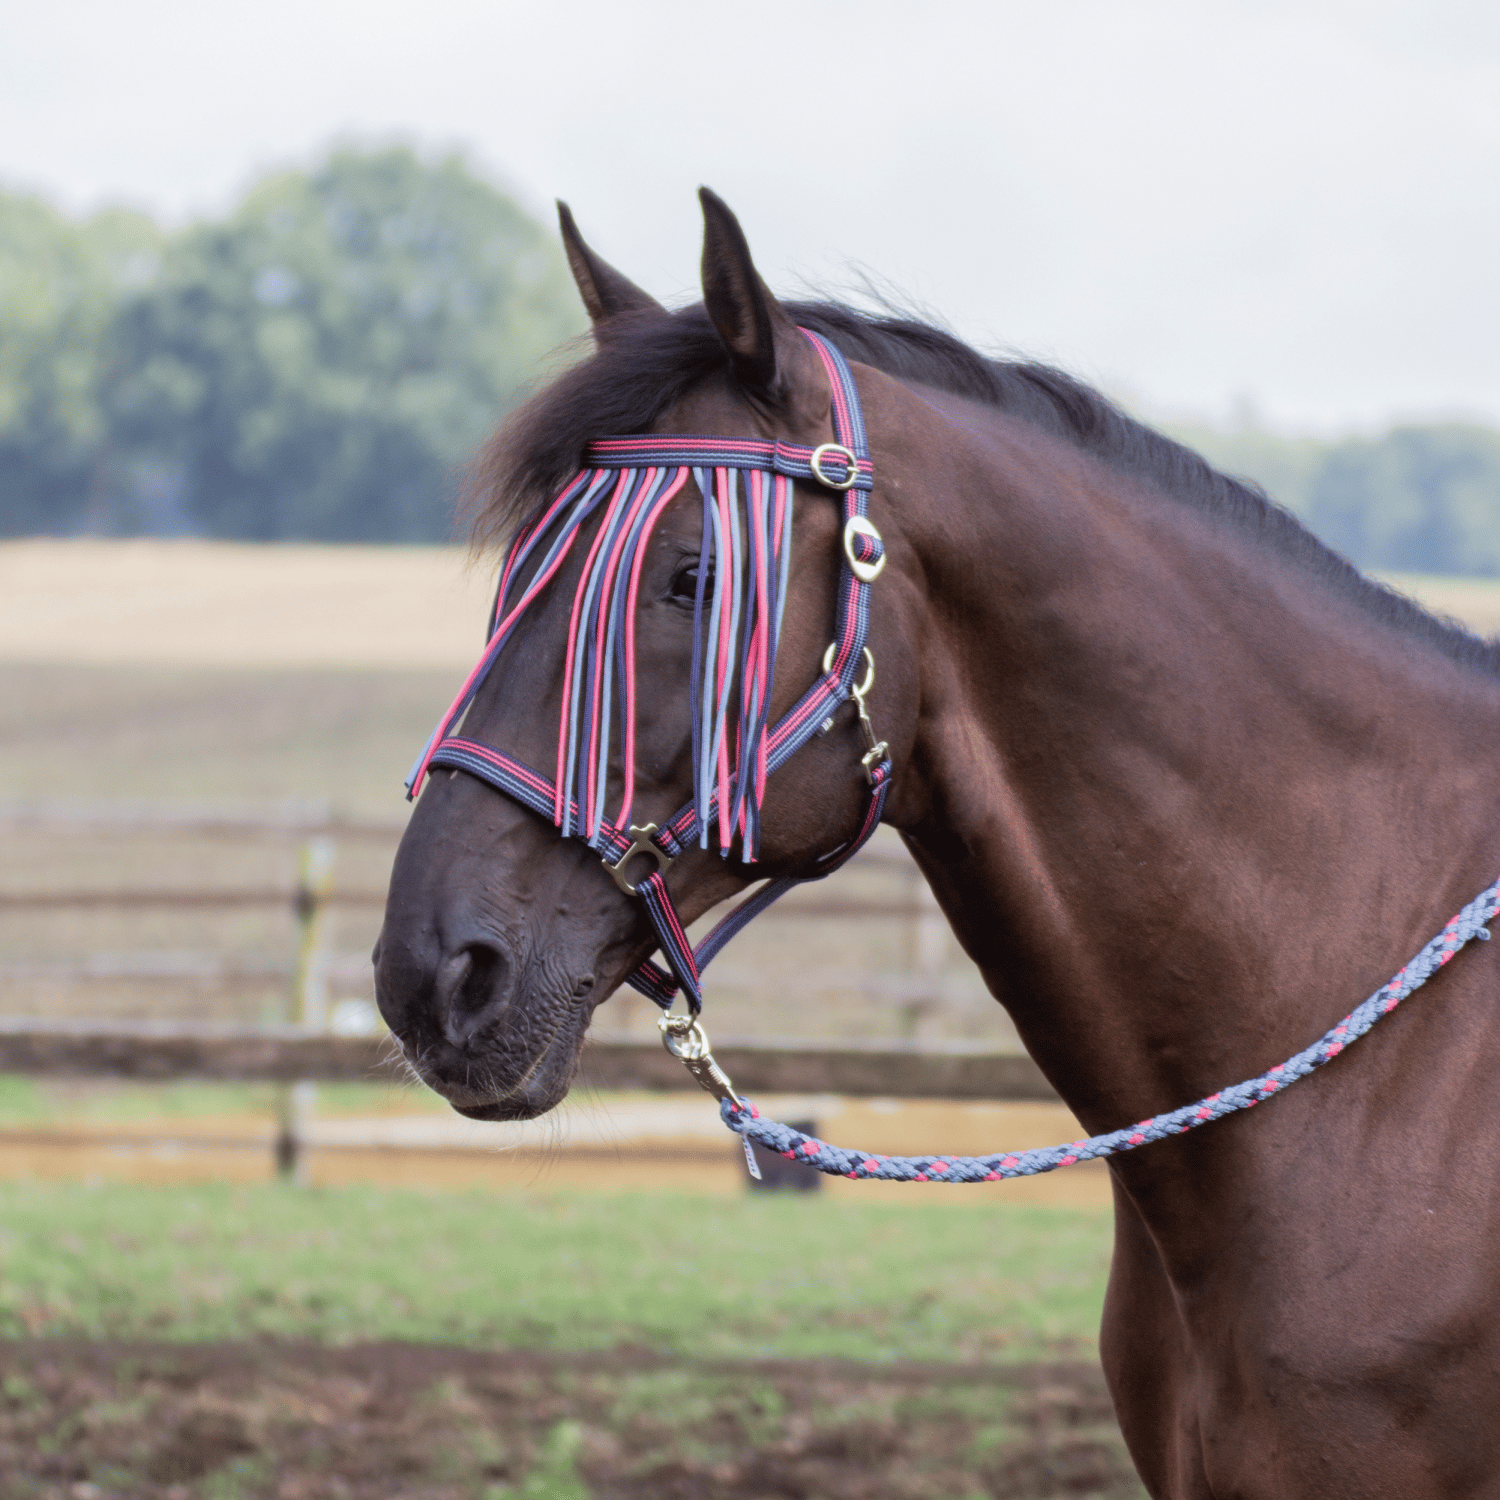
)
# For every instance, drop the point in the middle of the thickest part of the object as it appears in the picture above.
(649, 362)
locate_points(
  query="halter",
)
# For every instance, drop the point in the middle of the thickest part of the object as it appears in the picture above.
(746, 485)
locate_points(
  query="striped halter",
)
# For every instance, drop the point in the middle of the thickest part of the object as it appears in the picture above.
(747, 491)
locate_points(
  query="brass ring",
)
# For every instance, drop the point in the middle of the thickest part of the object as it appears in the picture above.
(867, 684)
(815, 463)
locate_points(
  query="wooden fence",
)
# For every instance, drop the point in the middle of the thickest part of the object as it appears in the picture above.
(304, 1052)
(917, 988)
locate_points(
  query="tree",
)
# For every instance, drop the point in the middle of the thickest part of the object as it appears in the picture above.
(317, 365)
(1420, 499)
(1414, 499)
(60, 285)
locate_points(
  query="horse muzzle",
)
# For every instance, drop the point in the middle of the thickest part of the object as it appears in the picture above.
(499, 940)
(496, 1033)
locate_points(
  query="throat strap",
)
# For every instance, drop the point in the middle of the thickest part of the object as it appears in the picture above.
(686, 963)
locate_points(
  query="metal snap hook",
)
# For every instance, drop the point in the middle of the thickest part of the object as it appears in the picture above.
(877, 749)
(685, 1038)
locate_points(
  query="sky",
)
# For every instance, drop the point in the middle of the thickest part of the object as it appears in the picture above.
(1209, 207)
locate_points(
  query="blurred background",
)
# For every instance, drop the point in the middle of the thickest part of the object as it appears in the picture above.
(269, 274)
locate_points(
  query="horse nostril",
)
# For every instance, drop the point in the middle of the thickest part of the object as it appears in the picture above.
(469, 985)
(477, 987)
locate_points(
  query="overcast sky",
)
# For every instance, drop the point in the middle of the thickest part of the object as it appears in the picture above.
(1190, 202)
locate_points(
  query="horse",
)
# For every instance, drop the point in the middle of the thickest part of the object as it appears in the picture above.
(1184, 783)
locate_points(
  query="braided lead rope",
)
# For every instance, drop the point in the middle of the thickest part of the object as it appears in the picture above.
(741, 1116)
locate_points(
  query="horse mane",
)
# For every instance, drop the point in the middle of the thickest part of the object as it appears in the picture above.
(651, 361)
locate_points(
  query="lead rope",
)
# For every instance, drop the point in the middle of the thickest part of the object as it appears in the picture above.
(685, 1039)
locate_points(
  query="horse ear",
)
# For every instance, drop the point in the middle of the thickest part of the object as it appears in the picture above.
(767, 351)
(606, 294)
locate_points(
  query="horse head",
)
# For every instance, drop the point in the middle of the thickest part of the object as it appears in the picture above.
(501, 937)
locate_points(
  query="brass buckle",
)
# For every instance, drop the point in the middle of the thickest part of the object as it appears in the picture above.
(878, 749)
(815, 463)
(857, 693)
(866, 572)
(642, 845)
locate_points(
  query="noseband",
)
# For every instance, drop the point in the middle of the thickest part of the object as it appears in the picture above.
(747, 490)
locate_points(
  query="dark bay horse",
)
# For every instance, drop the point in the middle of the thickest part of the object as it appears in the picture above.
(1185, 784)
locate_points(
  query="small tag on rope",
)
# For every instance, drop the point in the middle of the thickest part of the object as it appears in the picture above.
(751, 1165)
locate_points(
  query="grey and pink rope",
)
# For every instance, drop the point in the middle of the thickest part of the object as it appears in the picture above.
(744, 1120)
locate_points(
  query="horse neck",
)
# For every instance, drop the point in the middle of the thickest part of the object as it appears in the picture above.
(1184, 802)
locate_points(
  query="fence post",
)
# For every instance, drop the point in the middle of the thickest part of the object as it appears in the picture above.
(309, 1001)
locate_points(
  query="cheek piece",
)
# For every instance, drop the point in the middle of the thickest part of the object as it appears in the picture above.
(748, 495)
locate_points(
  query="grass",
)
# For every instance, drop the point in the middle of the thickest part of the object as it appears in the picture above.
(755, 1277)
(44, 1101)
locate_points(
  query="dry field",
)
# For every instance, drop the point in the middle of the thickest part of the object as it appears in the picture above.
(1474, 602)
(224, 605)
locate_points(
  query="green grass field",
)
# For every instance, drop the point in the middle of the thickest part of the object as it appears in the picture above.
(774, 1275)
(64, 1101)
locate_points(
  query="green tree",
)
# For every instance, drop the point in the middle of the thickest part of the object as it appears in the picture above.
(317, 365)
(1419, 499)
(1284, 467)
(60, 286)
(1414, 499)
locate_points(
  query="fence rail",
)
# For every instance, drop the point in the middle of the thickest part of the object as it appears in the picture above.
(160, 1051)
(126, 898)
(299, 1055)
(292, 820)
(296, 898)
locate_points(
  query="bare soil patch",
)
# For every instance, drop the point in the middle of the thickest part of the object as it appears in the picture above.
(86, 1421)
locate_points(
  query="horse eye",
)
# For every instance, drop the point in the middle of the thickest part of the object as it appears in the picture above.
(685, 583)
